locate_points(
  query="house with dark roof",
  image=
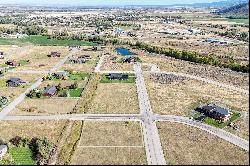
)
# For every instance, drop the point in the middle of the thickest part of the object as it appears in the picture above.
(12, 63)
(54, 54)
(215, 112)
(14, 82)
(50, 91)
(117, 76)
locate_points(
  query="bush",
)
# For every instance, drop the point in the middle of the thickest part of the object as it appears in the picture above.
(15, 141)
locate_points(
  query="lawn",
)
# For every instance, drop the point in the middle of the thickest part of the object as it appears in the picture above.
(2, 83)
(44, 41)
(78, 76)
(131, 79)
(22, 155)
(216, 123)
(75, 92)
(24, 62)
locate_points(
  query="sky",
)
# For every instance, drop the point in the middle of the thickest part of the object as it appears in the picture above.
(103, 2)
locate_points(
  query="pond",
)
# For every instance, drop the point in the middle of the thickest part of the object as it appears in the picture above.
(123, 51)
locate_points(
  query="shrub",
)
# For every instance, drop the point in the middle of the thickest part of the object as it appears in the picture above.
(15, 141)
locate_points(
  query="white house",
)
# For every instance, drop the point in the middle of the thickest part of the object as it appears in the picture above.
(3, 151)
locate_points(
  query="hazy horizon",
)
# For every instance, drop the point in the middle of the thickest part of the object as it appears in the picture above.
(103, 3)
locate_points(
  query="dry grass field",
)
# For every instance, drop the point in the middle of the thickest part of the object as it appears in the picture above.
(188, 145)
(50, 106)
(109, 156)
(29, 78)
(179, 98)
(12, 92)
(111, 134)
(50, 129)
(115, 98)
(110, 143)
(217, 74)
(109, 66)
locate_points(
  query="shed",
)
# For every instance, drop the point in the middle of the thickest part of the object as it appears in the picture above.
(3, 151)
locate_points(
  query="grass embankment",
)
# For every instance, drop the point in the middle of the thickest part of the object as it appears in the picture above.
(43, 41)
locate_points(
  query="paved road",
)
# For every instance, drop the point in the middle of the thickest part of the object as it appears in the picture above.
(98, 117)
(22, 96)
(115, 71)
(152, 142)
(207, 81)
(99, 64)
(213, 130)
(28, 71)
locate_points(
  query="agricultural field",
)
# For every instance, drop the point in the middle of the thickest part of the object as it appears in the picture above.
(188, 145)
(114, 98)
(181, 97)
(29, 129)
(110, 143)
(43, 41)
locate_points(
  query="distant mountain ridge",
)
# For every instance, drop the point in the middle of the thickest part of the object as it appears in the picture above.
(237, 10)
(220, 4)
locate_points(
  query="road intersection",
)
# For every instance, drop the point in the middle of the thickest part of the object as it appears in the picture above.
(148, 119)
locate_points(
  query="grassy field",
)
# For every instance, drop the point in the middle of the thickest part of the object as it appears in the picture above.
(111, 134)
(47, 106)
(75, 92)
(22, 156)
(114, 98)
(110, 143)
(188, 145)
(30, 129)
(241, 21)
(110, 156)
(43, 41)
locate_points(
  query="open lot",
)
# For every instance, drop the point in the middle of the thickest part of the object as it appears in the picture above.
(111, 134)
(50, 106)
(179, 98)
(187, 145)
(29, 129)
(110, 156)
(214, 73)
(115, 98)
(39, 60)
(110, 143)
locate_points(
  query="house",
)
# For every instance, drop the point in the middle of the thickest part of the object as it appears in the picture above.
(1, 55)
(3, 151)
(50, 91)
(87, 57)
(54, 54)
(14, 82)
(3, 101)
(61, 75)
(96, 48)
(130, 58)
(117, 76)
(215, 112)
(12, 63)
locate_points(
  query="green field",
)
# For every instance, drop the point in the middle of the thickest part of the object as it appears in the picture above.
(75, 92)
(239, 21)
(43, 41)
(22, 155)
(131, 79)
(78, 76)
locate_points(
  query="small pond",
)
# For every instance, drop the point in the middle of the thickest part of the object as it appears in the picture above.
(123, 51)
